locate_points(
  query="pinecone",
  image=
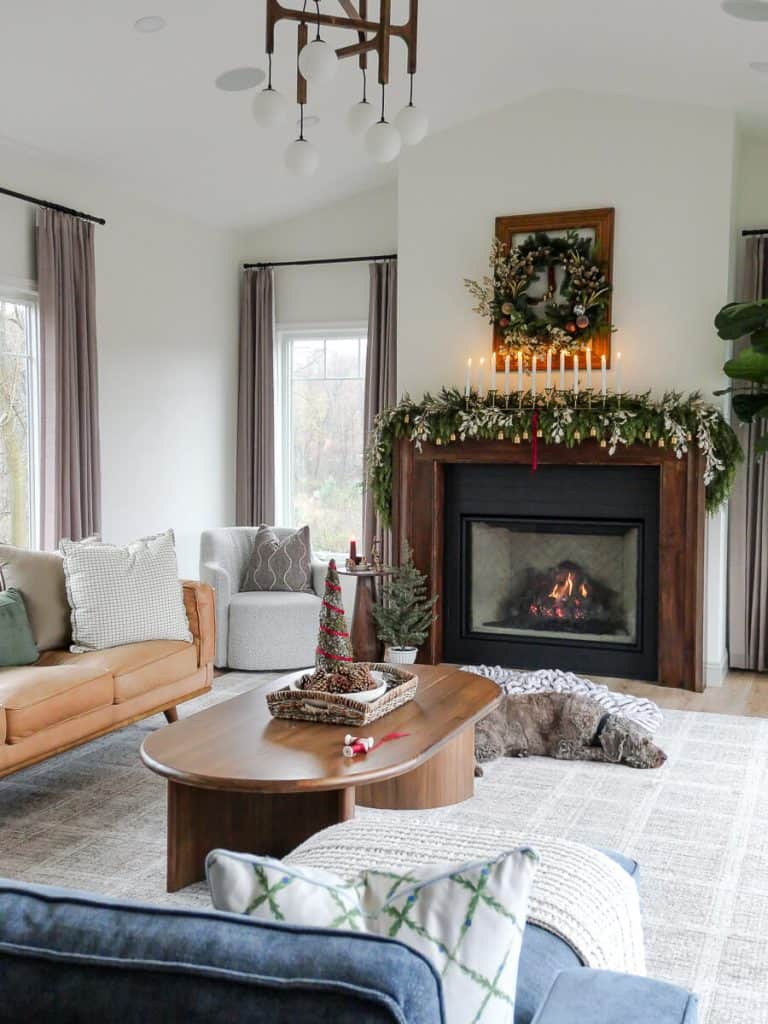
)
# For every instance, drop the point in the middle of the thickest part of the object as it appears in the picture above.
(345, 679)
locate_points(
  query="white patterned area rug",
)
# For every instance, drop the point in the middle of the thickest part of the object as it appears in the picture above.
(94, 819)
(515, 681)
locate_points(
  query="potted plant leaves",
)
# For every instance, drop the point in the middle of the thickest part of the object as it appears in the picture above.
(404, 613)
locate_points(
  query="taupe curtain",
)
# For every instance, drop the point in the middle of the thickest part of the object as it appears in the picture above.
(380, 377)
(255, 479)
(70, 473)
(748, 515)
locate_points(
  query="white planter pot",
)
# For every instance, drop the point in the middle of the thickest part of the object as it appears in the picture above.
(401, 655)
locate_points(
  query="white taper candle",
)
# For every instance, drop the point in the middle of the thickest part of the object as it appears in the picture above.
(575, 374)
(562, 370)
(589, 368)
(480, 375)
(603, 377)
(534, 361)
(468, 379)
(520, 372)
(618, 373)
(507, 360)
(549, 370)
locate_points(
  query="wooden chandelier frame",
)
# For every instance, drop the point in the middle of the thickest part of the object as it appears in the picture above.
(372, 35)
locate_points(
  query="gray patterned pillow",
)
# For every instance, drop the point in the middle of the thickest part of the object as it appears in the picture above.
(280, 564)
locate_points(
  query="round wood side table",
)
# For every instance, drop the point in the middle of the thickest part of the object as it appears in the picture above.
(365, 643)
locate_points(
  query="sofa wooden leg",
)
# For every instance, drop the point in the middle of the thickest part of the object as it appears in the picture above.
(171, 714)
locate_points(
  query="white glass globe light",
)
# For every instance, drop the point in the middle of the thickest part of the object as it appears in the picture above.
(361, 117)
(318, 62)
(382, 142)
(413, 124)
(302, 158)
(270, 108)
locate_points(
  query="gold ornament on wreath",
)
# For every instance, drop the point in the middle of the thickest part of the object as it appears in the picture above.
(568, 317)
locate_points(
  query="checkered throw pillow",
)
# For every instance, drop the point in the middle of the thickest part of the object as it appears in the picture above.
(468, 919)
(124, 595)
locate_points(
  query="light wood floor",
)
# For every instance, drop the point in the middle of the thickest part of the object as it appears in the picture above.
(742, 693)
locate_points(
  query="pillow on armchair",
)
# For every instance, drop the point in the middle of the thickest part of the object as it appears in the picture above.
(280, 564)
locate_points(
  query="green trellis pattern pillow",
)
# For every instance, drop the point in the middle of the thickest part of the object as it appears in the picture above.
(468, 919)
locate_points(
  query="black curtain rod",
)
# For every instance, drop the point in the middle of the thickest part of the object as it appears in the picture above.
(51, 206)
(319, 263)
(755, 231)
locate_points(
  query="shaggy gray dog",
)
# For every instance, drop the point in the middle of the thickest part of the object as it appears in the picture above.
(563, 725)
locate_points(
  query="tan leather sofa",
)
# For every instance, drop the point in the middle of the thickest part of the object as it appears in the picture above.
(65, 699)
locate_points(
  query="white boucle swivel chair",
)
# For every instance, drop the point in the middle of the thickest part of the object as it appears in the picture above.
(260, 631)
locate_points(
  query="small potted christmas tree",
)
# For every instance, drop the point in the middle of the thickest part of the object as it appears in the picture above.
(404, 614)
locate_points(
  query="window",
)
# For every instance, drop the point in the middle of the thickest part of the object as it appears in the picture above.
(320, 435)
(18, 418)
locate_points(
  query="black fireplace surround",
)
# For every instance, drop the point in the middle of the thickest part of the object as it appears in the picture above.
(556, 568)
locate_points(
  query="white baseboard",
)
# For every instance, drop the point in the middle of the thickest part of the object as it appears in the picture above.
(716, 671)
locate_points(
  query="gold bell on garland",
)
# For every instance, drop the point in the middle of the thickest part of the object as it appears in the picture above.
(539, 433)
(500, 436)
(603, 443)
(407, 418)
(593, 432)
(525, 435)
(647, 435)
(661, 442)
(438, 441)
(453, 437)
(517, 439)
(577, 435)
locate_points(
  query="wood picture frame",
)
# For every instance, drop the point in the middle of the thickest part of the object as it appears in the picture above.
(599, 223)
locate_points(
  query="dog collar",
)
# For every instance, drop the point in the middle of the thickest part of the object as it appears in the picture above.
(600, 729)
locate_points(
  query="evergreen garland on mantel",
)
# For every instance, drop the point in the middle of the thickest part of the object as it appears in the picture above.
(675, 421)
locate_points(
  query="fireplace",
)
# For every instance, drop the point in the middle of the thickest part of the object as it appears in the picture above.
(593, 563)
(555, 570)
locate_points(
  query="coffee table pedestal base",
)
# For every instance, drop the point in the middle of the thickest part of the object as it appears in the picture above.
(269, 824)
(448, 777)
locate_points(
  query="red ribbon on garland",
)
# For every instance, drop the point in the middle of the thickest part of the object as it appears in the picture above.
(535, 441)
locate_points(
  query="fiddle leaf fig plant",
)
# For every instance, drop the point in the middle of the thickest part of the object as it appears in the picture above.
(749, 368)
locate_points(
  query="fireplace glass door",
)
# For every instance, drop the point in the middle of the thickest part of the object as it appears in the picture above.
(555, 580)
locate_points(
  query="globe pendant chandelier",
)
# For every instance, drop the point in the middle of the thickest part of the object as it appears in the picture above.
(317, 63)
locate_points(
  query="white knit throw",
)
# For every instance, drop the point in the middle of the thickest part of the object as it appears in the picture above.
(579, 894)
(637, 709)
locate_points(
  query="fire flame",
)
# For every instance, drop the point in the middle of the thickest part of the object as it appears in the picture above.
(562, 591)
(583, 590)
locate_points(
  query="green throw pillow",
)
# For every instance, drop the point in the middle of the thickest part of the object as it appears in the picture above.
(17, 645)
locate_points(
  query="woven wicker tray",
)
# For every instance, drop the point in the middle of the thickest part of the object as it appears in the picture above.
(341, 709)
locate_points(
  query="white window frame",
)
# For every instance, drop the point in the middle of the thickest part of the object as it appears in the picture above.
(21, 290)
(285, 333)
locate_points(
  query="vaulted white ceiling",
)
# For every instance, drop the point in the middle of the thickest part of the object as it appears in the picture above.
(78, 82)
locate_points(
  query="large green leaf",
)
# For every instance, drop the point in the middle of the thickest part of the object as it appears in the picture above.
(750, 365)
(740, 318)
(747, 407)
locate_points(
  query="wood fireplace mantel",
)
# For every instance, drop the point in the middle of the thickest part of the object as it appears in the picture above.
(418, 516)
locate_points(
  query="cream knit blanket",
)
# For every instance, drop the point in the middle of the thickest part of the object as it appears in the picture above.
(579, 894)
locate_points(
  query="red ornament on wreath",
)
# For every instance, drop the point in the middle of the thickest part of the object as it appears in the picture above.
(334, 647)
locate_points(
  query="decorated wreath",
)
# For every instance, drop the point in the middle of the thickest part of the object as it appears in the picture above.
(569, 320)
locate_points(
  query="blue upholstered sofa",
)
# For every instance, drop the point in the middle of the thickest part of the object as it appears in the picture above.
(77, 959)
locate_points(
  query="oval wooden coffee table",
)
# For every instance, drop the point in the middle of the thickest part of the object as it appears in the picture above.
(242, 780)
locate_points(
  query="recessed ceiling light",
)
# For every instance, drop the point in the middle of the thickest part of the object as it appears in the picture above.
(150, 23)
(239, 79)
(759, 65)
(310, 120)
(747, 10)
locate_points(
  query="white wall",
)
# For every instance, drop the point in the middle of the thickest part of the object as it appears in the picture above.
(166, 317)
(364, 225)
(666, 169)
